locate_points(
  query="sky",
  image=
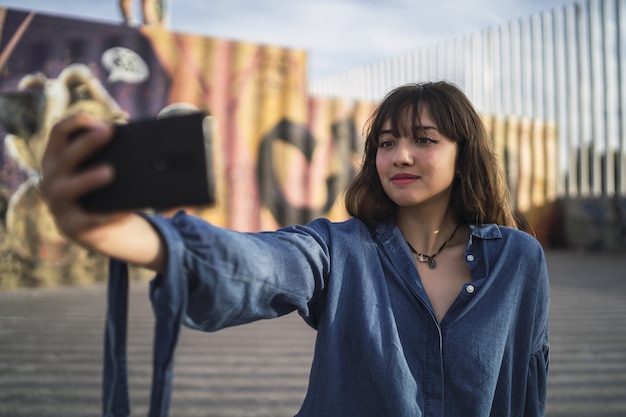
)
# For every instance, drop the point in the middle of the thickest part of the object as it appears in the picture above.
(337, 35)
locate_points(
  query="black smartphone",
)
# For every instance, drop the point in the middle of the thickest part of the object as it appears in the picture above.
(159, 164)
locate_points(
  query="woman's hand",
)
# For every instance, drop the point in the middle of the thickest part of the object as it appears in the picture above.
(125, 236)
(71, 142)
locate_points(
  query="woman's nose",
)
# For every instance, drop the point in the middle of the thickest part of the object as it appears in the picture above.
(402, 155)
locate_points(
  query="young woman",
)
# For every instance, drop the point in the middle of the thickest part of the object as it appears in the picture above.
(427, 302)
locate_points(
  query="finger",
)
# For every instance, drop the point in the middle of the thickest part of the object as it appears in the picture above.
(84, 145)
(69, 189)
(62, 131)
(65, 152)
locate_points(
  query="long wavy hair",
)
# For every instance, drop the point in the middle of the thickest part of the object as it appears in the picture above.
(479, 193)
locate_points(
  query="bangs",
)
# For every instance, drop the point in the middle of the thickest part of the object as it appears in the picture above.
(403, 111)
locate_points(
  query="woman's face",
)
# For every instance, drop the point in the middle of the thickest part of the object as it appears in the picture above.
(417, 170)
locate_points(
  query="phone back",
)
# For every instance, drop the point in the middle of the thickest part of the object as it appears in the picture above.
(158, 164)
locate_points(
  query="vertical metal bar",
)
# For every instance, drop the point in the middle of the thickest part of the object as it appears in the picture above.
(549, 99)
(525, 136)
(419, 61)
(539, 138)
(497, 66)
(450, 64)
(439, 60)
(548, 58)
(467, 62)
(516, 69)
(486, 73)
(398, 72)
(408, 62)
(514, 125)
(507, 82)
(611, 96)
(374, 77)
(368, 81)
(459, 61)
(477, 69)
(598, 140)
(621, 20)
(424, 64)
(584, 86)
(432, 63)
(388, 75)
(498, 126)
(507, 99)
(538, 86)
(573, 100)
(526, 68)
(406, 68)
(560, 70)
(415, 67)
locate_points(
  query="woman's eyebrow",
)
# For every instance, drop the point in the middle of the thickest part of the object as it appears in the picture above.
(417, 129)
(425, 128)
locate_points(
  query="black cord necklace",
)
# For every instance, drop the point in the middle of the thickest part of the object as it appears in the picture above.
(431, 259)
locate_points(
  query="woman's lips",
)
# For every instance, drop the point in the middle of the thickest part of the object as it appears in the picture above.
(401, 179)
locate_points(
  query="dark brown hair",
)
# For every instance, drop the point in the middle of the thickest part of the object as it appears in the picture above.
(479, 194)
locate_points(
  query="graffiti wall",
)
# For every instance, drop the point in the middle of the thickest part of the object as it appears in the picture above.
(280, 156)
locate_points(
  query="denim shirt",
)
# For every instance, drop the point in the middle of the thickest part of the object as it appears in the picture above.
(380, 350)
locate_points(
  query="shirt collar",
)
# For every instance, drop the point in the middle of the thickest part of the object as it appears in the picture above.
(384, 231)
(486, 231)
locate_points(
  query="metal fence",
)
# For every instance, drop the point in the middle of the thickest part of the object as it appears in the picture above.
(565, 67)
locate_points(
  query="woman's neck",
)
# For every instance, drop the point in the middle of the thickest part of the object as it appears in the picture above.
(424, 231)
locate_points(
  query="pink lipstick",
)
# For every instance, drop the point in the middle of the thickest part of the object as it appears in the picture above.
(403, 178)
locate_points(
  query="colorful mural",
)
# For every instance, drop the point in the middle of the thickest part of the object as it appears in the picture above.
(280, 156)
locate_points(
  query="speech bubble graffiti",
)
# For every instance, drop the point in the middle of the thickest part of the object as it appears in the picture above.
(125, 65)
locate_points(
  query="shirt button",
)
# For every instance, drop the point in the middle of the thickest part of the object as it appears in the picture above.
(470, 258)
(470, 289)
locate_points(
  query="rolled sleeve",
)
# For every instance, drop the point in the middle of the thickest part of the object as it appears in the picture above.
(230, 278)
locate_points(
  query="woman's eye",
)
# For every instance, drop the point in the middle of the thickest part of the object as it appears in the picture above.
(385, 144)
(424, 141)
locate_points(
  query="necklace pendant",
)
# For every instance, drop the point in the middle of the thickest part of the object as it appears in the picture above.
(431, 259)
